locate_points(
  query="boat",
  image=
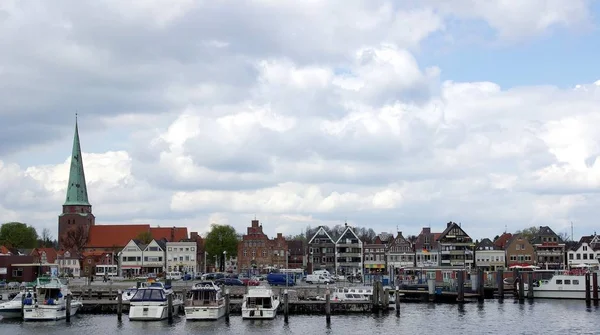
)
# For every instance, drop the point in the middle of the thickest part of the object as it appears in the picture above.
(559, 286)
(355, 293)
(205, 302)
(151, 303)
(127, 294)
(48, 301)
(260, 303)
(12, 308)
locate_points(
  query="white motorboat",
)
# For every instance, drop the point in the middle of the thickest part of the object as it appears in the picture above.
(151, 303)
(559, 287)
(260, 303)
(49, 301)
(12, 308)
(205, 302)
(127, 294)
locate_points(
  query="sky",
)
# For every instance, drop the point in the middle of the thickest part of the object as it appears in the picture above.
(392, 115)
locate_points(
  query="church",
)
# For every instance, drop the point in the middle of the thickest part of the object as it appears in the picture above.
(77, 228)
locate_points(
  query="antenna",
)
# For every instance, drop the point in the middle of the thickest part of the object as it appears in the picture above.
(571, 230)
(504, 229)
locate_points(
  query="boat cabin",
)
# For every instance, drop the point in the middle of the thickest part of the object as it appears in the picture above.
(259, 299)
(149, 294)
(205, 294)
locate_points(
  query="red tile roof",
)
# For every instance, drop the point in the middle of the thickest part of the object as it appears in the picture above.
(503, 240)
(108, 236)
(50, 254)
(4, 250)
(166, 233)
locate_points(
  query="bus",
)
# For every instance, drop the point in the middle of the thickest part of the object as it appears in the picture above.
(109, 270)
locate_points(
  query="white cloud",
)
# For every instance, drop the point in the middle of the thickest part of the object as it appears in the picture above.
(197, 113)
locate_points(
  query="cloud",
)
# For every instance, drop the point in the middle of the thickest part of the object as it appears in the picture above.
(299, 113)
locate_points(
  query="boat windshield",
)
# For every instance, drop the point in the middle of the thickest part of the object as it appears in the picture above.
(149, 295)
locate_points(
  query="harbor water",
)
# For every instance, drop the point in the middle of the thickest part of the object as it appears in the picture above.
(491, 317)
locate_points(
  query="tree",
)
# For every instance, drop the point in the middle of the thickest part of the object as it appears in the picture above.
(528, 233)
(145, 237)
(18, 235)
(74, 239)
(221, 238)
(45, 239)
(564, 236)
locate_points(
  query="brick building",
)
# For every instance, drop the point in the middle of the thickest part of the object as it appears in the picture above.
(257, 253)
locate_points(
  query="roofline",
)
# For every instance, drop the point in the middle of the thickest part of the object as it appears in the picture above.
(317, 232)
(353, 233)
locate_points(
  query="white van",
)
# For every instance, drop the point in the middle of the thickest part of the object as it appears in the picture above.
(318, 279)
(175, 275)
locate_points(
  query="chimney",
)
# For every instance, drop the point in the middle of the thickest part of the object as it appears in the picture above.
(427, 230)
(279, 235)
(254, 223)
(173, 234)
(399, 233)
(194, 235)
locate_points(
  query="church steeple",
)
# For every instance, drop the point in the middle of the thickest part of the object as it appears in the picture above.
(76, 189)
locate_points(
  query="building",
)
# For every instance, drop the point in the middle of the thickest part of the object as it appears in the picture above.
(98, 263)
(455, 247)
(502, 240)
(68, 263)
(77, 228)
(426, 249)
(200, 251)
(280, 252)
(400, 253)
(18, 268)
(519, 251)
(549, 249)
(296, 255)
(181, 257)
(138, 258)
(488, 256)
(259, 254)
(374, 259)
(321, 252)
(585, 253)
(348, 253)
(46, 257)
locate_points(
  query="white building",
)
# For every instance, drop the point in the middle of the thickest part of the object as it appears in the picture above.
(139, 259)
(488, 256)
(586, 252)
(181, 256)
(68, 263)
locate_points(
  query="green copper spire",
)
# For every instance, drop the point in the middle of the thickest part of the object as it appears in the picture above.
(77, 189)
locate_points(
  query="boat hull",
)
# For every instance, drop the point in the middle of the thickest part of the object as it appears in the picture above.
(558, 294)
(10, 313)
(204, 313)
(260, 313)
(49, 313)
(151, 311)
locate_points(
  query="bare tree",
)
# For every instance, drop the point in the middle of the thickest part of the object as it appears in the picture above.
(75, 239)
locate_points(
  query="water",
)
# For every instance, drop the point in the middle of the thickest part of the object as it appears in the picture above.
(492, 317)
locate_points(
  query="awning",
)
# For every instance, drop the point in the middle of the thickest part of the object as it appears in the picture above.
(374, 266)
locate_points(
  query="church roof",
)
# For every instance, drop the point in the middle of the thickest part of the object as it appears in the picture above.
(76, 189)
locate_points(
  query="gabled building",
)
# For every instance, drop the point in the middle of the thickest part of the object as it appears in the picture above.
(349, 253)
(258, 254)
(502, 240)
(98, 263)
(400, 253)
(68, 263)
(321, 252)
(549, 249)
(426, 249)
(519, 251)
(585, 252)
(455, 247)
(488, 256)
(130, 259)
(138, 258)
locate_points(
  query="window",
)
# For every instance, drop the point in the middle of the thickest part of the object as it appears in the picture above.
(192, 248)
(18, 272)
(169, 249)
(567, 281)
(559, 282)
(570, 256)
(575, 281)
(89, 261)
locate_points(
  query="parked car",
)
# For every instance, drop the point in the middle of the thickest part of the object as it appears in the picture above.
(229, 282)
(318, 279)
(249, 281)
(187, 276)
(2, 284)
(13, 284)
(280, 279)
(198, 275)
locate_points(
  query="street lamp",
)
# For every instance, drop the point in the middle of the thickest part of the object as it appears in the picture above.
(224, 259)
(216, 263)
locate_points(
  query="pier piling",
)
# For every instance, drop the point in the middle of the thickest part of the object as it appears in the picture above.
(23, 296)
(89, 293)
(530, 280)
(461, 286)
(386, 298)
(397, 298)
(521, 288)
(68, 308)
(588, 295)
(328, 306)
(286, 310)
(595, 287)
(500, 283)
(480, 286)
(170, 307)
(227, 304)
(119, 305)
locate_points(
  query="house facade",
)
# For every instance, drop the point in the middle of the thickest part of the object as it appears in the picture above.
(321, 251)
(488, 256)
(375, 259)
(258, 254)
(139, 259)
(549, 249)
(455, 247)
(400, 253)
(519, 251)
(181, 257)
(585, 253)
(297, 254)
(68, 263)
(426, 249)
(348, 253)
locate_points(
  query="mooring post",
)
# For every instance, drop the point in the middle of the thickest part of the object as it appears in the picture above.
(461, 286)
(500, 283)
(397, 298)
(119, 305)
(227, 304)
(480, 286)
(23, 304)
(68, 308)
(170, 307)
(530, 280)
(588, 295)
(285, 305)
(327, 306)
(521, 288)
(90, 293)
(595, 287)
(386, 299)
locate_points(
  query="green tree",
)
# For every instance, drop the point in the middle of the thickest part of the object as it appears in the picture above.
(221, 238)
(145, 237)
(529, 233)
(18, 235)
